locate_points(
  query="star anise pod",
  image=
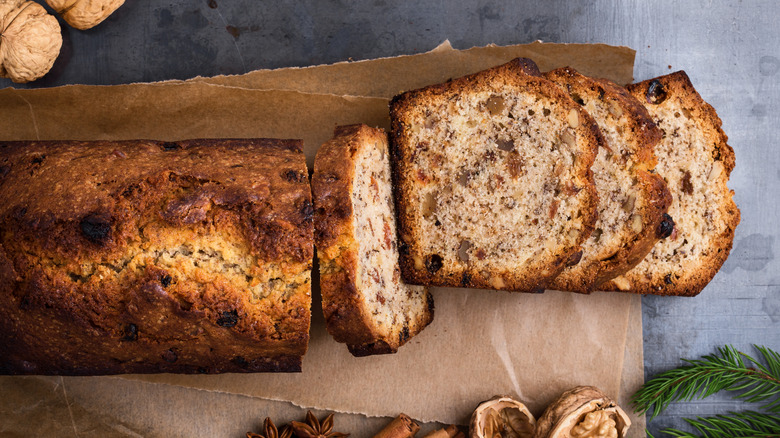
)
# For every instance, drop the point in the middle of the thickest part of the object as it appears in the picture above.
(270, 431)
(312, 428)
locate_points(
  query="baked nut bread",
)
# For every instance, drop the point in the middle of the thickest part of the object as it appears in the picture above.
(632, 199)
(143, 256)
(366, 304)
(695, 161)
(494, 188)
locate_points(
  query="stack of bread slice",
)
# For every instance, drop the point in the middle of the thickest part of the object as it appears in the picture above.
(515, 180)
(509, 179)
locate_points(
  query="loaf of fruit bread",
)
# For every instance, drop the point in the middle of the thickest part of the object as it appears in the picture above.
(365, 302)
(494, 187)
(143, 256)
(633, 200)
(695, 161)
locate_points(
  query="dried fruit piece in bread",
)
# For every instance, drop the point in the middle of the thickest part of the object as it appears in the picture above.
(633, 200)
(366, 304)
(695, 161)
(494, 188)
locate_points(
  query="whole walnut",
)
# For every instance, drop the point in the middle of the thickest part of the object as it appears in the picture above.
(583, 412)
(85, 14)
(30, 40)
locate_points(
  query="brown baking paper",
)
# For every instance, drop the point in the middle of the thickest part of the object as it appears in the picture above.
(386, 77)
(112, 407)
(179, 111)
(481, 343)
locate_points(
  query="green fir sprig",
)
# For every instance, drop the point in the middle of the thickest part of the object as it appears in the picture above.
(737, 424)
(756, 381)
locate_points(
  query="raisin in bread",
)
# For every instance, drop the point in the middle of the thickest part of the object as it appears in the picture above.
(148, 257)
(632, 199)
(494, 188)
(366, 304)
(695, 161)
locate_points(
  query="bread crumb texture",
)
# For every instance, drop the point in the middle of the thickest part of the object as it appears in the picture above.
(495, 187)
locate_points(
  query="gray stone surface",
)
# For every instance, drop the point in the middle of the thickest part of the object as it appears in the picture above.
(730, 49)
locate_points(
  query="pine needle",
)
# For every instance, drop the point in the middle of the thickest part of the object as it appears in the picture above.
(748, 424)
(729, 370)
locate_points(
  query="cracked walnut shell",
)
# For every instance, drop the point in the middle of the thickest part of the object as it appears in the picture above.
(583, 412)
(502, 417)
(30, 40)
(85, 14)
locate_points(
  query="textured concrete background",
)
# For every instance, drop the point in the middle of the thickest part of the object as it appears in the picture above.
(730, 49)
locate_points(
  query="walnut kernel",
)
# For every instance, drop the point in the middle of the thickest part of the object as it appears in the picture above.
(429, 205)
(628, 204)
(505, 145)
(418, 263)
(568, 137)
(622, 283)
(636, 223)
(615, 110)
(574, 118)
(463, 250)
(515, 164)
(495, 105)
(716, 171)
(597, 424)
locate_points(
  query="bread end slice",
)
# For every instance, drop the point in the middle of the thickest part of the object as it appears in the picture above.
(365, 302)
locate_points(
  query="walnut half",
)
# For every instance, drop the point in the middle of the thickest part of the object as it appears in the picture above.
(30, 40)
(502, 417)
(583, 412)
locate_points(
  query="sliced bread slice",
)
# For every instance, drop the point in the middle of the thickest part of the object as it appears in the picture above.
(365, 302)
(695, 161)
(632, 199)
(494, 188)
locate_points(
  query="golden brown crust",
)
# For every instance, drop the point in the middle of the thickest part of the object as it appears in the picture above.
(346, 315)
(425, 269)
(144, 256)
(674, 97)
(632, 158)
